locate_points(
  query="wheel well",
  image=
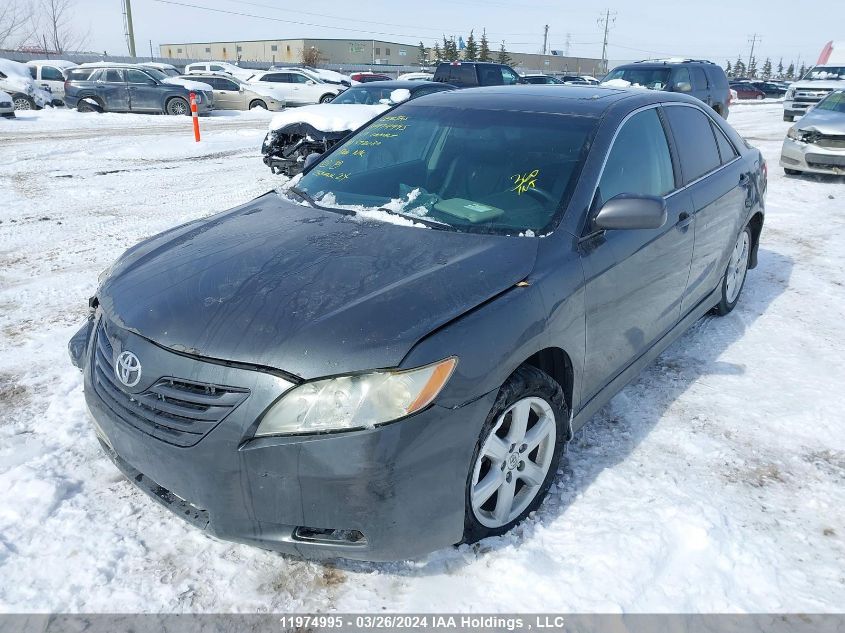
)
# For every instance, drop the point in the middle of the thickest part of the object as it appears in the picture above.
(254, 101)
(718, 108)
(756, 224)
(557, 364)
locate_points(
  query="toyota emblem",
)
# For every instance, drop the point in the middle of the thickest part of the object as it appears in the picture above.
(127, 368)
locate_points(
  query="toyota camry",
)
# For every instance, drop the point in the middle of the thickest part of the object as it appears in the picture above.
(387, 355)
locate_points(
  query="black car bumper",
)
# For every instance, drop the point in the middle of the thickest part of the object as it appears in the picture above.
(394, 492)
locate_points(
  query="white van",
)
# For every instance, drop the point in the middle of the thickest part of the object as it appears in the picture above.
(50, 74)
(219, 67)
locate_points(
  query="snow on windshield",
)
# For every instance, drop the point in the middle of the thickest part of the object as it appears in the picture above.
(830, 73)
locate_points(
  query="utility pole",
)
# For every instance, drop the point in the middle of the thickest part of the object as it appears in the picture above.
(545, 39)
(130, 32)
(754, 39)
(152, 59)
(568, 43)
(607, 20)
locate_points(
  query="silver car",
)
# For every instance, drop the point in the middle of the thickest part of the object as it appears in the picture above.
(7, 106)
(816, 144)
(230, 93)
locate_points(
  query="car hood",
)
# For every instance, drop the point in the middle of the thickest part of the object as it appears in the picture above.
(825, 122)
(306, 291)
(819, 84)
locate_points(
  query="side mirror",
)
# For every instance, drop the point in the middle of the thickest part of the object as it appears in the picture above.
(627, 211)
(311, 82)
(240, 89)
(310, 160)
(684, 86)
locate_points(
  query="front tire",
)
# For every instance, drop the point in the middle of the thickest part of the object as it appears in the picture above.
(177, 106)
(737, 270)
(23, 102)
(788, 118)
(326, 98)
(258, 103)
(517, 454)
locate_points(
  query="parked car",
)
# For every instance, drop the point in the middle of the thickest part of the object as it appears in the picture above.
(699, 78)
(331, 76)
(50, 74)
(313, 130)
(7, 106)
(298, 87)
(416, 77)
(168, 69)
(819, 82)
(15, 79)
(230, 93)
(541, 79)
(472, 74)
(388, 355)
(219, 67)
(112, 87)
(771, 89)
(816, 144)
(747, 91)
(366, 77)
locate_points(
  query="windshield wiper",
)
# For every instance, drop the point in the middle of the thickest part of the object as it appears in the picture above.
(434, 224)
(302, 195)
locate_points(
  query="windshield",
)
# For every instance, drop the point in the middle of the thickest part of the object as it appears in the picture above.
(367, 95)
(155, 72)
(834, 102)
(459, 169)
(820, 73)
(654, 78)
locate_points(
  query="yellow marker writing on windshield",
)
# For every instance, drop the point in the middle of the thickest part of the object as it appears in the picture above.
(524, 182)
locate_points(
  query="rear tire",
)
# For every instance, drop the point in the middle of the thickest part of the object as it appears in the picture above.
(734, 278)
(258, 103)
(177, 106)
(85, 106)
(517, 454)
(788, 118)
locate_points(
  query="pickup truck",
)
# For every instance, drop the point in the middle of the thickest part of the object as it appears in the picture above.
(474, 74)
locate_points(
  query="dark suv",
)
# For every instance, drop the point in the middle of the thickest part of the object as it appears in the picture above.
(473, 74)
(133, 88)
(700, 78)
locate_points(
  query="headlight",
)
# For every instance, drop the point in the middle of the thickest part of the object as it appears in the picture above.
(198, 97)
(794, 134)
(357, 401)
(789, 94)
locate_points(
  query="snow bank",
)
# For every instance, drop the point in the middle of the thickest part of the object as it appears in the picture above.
(622, 83)
(329, 118)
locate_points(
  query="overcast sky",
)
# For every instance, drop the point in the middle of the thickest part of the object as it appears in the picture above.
(714, 29)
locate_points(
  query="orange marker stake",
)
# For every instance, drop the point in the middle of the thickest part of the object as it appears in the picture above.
(195, 117)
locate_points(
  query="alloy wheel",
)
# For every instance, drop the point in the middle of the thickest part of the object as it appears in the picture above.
(738, 267)
(177, 107)
(513, 462)
(22, 103)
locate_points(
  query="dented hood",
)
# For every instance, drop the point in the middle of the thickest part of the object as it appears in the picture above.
(303, 290)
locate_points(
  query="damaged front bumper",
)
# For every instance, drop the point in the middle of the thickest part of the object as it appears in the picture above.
(812, 157)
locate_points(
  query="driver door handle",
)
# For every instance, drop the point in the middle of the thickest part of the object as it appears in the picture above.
(684, 220)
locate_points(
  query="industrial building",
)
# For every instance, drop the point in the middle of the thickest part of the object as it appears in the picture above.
(355, 53)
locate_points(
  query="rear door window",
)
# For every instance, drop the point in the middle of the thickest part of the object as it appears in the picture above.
(681, 76)
(461, 75)
(699, 79)
(639, 161)
(225, 84)
(697, 147)
(112, 76)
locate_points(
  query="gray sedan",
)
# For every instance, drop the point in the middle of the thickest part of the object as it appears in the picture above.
(388, 356)
(816, 144)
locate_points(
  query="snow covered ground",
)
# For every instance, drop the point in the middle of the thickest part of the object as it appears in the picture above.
(715, 482)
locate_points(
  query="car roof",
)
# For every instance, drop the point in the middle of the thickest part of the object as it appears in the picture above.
(112, 65)
(396, 83)
(58, 63)
(551, 98)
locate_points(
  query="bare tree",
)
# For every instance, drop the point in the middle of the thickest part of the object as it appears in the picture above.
(54, 28)
(15, 18)
(311, 56)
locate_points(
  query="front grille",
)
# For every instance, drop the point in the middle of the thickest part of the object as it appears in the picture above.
(825, 161)
(174, 410)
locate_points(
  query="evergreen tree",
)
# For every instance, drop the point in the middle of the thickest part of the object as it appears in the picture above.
(503, 57)
(767, 69)
(422, 58)
(790, 72)
(437, 53)
(484, 50)
(471, 48)
(739, 67)
(446, 57)
(450, 49)
(780, 69)
(728, 69)
(752, 68)
(802, 72)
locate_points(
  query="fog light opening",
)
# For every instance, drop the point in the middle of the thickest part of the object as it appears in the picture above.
(344, 538)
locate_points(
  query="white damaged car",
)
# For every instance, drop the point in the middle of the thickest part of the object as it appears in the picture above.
(15, 79)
